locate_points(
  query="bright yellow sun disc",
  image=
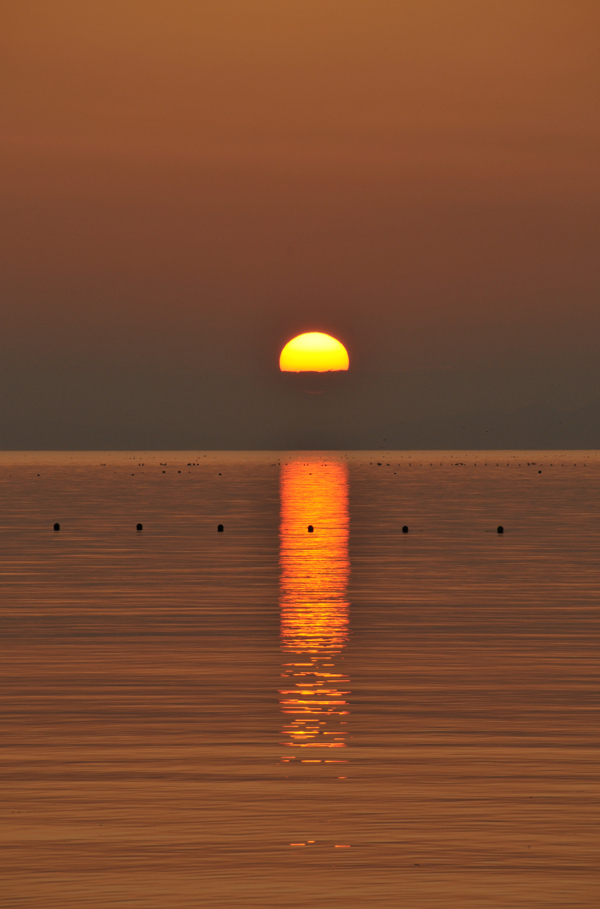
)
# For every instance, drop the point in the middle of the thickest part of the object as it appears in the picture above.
(313, 352)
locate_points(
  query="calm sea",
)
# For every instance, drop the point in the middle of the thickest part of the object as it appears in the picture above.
(266, 717)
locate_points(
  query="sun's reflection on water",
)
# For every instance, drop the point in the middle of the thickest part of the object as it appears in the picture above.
(314, 608)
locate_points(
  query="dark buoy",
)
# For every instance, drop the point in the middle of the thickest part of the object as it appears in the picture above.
(405, 528)
(220, 528)
(139, 527)
(57, 526)
(500, 528)
(310, 528)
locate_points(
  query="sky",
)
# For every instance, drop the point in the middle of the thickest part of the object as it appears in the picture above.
(184, 186)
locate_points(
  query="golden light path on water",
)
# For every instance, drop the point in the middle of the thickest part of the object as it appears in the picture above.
(315, 569)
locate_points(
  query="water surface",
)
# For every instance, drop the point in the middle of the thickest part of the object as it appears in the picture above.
(267, 717)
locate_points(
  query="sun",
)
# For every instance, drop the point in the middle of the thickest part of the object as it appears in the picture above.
(313, 352)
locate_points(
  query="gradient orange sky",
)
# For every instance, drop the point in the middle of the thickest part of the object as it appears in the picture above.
(187, 185)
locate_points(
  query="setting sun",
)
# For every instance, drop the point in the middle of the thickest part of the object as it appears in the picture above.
(313, 352)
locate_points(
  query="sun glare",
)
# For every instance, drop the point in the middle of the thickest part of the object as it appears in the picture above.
(313, 352)
(315, 609)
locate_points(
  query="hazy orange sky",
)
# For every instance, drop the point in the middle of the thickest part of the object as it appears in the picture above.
(186, 185)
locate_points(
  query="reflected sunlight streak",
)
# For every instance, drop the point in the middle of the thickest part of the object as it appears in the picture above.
(315, 569)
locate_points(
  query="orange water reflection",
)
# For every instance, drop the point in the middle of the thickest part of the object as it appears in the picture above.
(314, 608)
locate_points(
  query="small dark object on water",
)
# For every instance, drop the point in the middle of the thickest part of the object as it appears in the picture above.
(220, 528)
(57, 526)
(539, 471)
(139, 527)
(405, 528)
(310, 528)
(500, 528)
